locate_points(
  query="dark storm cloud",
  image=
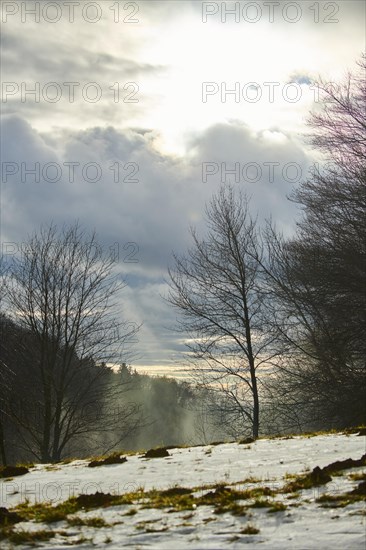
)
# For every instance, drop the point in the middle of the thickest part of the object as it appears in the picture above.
(124, 209)
(156, 198)
(152, 214)
(266, 165)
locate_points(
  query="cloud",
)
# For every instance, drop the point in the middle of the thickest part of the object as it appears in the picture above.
(153, 154)
(267, 165)
(142, 221)
(74, 80)
(301, 79)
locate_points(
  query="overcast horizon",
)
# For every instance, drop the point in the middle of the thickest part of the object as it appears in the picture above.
(127, 116)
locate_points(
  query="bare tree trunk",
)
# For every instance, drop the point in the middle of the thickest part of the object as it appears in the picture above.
(255, 401)
(2, 444)
(219, 291)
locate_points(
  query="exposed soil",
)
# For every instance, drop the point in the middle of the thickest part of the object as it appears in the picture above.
(345, 464)
(12, 471)
(9, 518)
(157, 453)
(174, 491)
(360, 490)
(114, 459)
(95, 500)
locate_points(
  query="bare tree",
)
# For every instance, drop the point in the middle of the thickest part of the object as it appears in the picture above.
(62, 293)
(5, 371)
(3, 389)
(319, 275)
(220, 294)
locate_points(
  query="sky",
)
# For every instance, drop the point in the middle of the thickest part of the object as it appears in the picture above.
(127, 116)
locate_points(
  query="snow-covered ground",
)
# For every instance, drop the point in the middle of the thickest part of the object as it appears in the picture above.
(304, 524)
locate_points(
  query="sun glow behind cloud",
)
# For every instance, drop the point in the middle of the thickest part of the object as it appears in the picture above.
(193, 54)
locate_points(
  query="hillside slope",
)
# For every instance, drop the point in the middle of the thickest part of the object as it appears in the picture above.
(231, 495)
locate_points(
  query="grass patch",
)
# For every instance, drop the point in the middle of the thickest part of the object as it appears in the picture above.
(169, 499)
(247, 481)
(357, 476)
(231, 508)
(321, 476)
(338, 501)
(176, 491)
(208, 520)
(277, 507)
(223, 494)
(290, 476)
(89, 522)
(272, 505)
(293, 496)
(224, 499)
(261, 503)
(315, 478)
(246, 441)
(250, 530)
(28, 537)
(319, 432)
(131, 512)
(67, 460)
(358, 513)
(360, 430)
(147, 527)
(258, 491)
(46, 513)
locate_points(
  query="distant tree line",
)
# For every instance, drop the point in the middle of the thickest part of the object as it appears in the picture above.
(63, 337)
(128, 411)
